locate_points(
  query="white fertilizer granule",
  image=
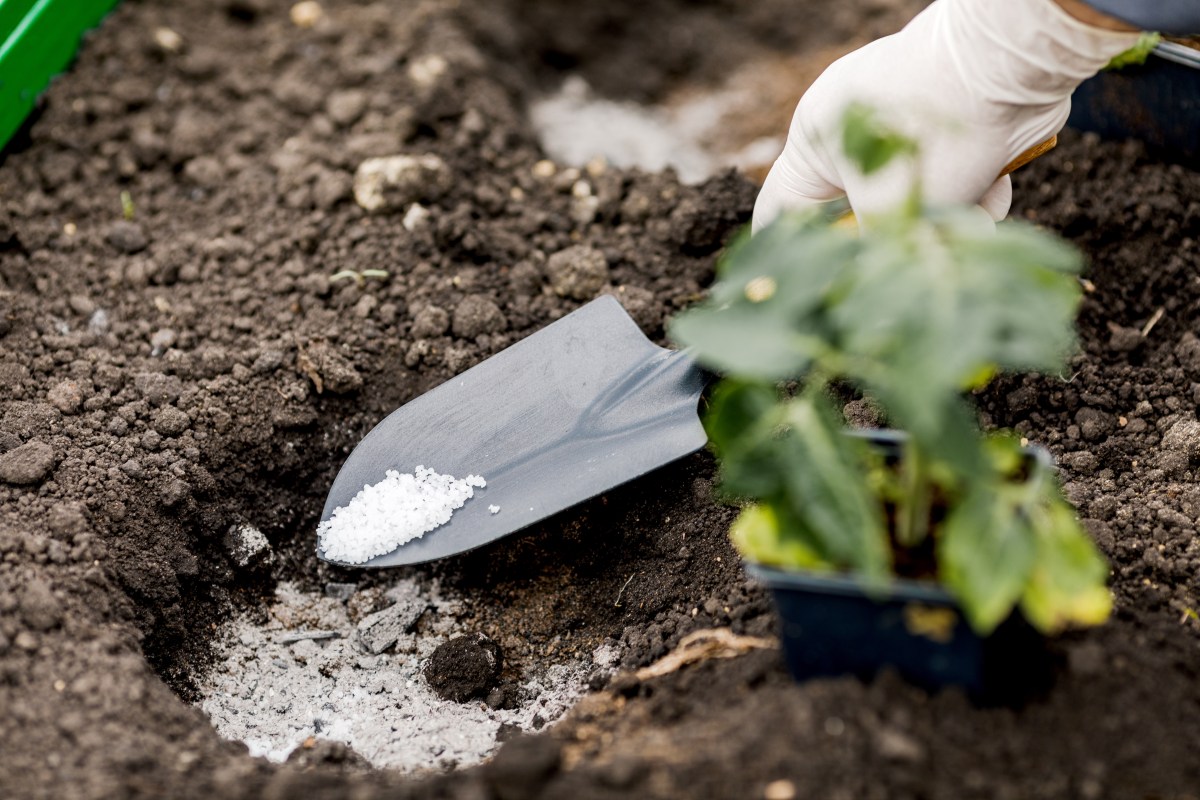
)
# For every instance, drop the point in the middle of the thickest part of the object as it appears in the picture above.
(493, 509)
(398, 509)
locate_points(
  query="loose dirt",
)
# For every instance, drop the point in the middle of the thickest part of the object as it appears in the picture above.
(171, 379)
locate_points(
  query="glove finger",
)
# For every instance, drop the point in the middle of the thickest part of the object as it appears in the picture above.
(791, 185)
(997, 200)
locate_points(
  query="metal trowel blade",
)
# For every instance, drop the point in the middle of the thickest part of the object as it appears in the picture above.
(576, 409)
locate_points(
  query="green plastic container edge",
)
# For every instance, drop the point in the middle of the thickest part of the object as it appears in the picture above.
(40, 38)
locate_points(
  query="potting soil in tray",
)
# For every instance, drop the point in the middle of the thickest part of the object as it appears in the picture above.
(159, 388)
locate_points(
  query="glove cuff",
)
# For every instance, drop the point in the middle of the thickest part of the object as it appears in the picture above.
(1025, 52)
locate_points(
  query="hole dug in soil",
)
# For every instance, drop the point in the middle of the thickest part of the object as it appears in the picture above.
(357, 667)
(159, 369)
(158, 374)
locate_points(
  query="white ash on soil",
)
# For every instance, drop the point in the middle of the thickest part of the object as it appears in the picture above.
(393, 512)
(576, 126)
(691, 132)
(311, 673)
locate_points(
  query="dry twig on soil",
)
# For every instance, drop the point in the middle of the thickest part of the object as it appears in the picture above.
(704, 645)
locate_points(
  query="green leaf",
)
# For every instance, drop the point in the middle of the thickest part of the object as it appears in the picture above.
(985, 555)
(944, 425)
(1015, 540)
(735, 408)
(870, 144)
(826, 492)
(938, 302)
(741, 341)
(1067, 587)
(764, 318)
(759, 537)
(793, 458)
(741, 425)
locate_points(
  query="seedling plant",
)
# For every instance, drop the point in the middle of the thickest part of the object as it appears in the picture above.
(918, 309)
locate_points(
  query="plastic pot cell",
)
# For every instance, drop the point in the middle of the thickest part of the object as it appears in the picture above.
(1157, 102)
(834, 625)
(831, 626)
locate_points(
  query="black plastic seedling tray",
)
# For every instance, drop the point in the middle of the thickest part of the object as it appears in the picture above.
(833, 625)
(1157, 102)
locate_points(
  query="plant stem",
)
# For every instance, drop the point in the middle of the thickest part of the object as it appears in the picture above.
(916, 500)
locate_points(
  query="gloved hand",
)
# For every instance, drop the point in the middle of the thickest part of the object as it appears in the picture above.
(974, 82)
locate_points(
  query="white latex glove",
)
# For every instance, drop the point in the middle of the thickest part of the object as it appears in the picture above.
(974, 82)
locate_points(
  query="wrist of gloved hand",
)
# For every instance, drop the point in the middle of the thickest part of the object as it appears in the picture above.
(1024, 52)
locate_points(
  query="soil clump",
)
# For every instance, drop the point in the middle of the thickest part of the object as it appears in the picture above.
(464, 667)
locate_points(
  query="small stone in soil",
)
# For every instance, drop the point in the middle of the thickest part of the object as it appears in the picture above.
(247, 545)
(476, 315)
(1093, 423)
(340, 591)
(28, 464)
(328, 369)
(98, 322)
(1188, 352)
(779, 790)
(501, 697)
(39, 607)
(174, 493)
(379, 631)
(464, 668)
(416, 217)
(81, 304)
(158, 388)
(68, 519)
(346, 106)
(127, 237)
(393, 182)
(66, 396)
(1183, 437)
(896, 745)
(162, 340)
(1125, 340)
(430, 321)
(170, 421)
(578, 272)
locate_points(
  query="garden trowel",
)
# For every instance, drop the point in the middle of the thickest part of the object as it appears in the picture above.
(578, 408)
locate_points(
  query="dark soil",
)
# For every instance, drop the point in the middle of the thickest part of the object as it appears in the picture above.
(166, 377)
(464, 667)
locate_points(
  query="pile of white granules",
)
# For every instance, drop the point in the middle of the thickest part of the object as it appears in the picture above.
(398, 509)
